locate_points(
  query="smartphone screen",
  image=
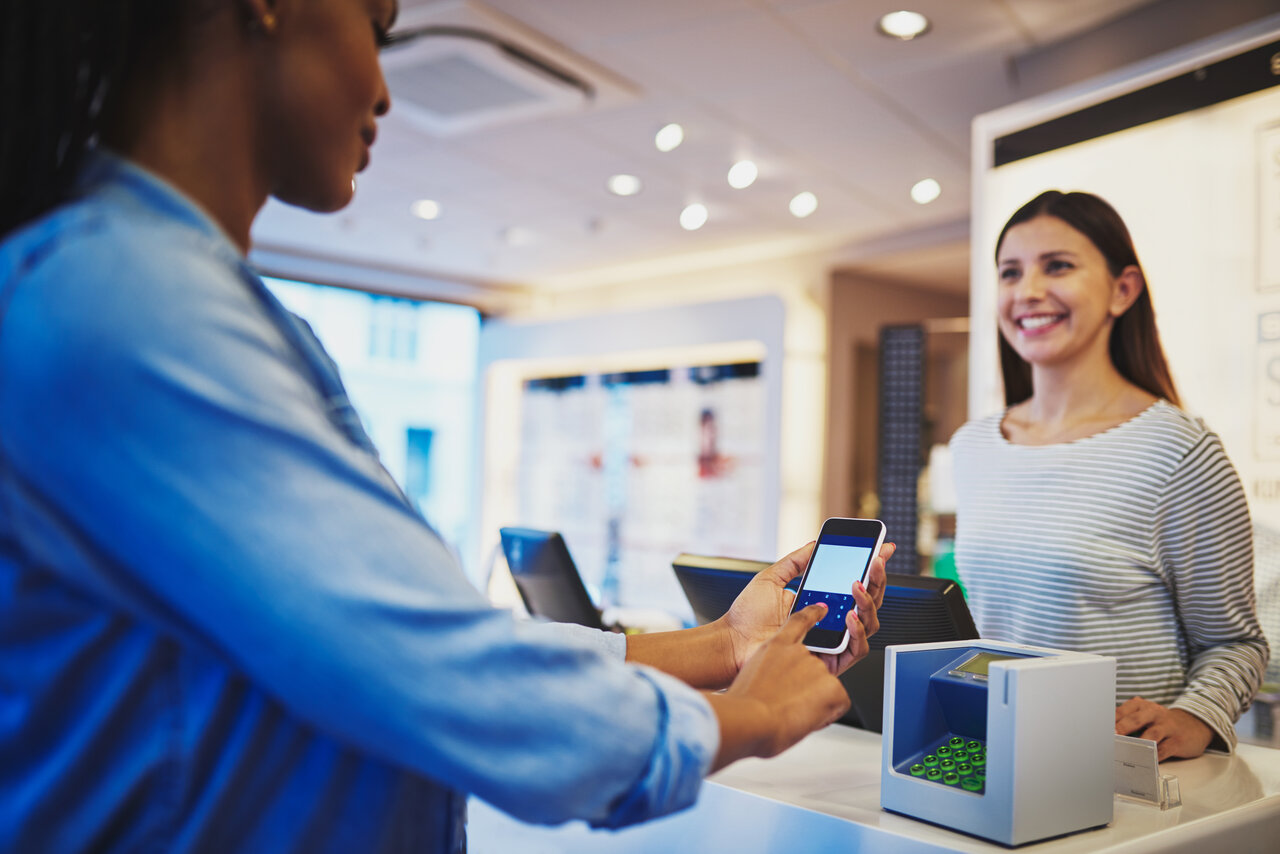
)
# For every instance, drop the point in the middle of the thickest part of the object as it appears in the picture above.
(842, 556)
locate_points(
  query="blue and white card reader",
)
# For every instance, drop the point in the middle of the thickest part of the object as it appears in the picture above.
(1008, 742)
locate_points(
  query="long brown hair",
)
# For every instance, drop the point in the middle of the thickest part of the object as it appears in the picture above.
(1134, 346)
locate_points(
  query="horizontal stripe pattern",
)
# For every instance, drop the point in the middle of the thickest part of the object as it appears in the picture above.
(1134, 543)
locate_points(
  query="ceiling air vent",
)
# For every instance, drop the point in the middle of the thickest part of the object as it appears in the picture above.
(459, 66)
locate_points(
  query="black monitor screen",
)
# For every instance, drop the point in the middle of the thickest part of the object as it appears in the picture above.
(546, 577)
(916, 609)
(712, 583)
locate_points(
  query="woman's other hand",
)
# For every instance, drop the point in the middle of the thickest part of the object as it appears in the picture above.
(1177, 734)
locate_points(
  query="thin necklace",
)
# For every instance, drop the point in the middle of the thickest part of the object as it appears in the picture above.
(1066, 431)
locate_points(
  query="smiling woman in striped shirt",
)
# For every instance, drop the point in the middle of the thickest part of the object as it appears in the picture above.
(1094, 514)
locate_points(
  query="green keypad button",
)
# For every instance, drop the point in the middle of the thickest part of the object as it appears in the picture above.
(956, 761)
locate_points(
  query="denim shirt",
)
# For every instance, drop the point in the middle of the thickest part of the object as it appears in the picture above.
(222, 627)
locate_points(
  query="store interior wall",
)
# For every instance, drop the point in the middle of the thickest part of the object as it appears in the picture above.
(797, 285)
(859, 306)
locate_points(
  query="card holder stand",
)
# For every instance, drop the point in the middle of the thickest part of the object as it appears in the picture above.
(1170, 793)
(1138, 776)
(1167, 794)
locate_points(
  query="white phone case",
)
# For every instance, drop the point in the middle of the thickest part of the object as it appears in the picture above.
(844, 641)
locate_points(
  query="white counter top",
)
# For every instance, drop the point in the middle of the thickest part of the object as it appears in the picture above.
(824, 795)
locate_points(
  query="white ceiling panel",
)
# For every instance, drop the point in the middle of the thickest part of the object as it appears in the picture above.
(630, 129)
(742, 53)
(867, 148)
(948, 102)
(547, 150)
(846, 28)
(1051, 20)
(806, 88)
(588, 23)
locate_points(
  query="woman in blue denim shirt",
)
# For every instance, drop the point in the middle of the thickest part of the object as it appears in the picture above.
(222, 627)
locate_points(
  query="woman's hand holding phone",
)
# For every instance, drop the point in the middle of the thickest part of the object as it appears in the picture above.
(863, 621)
(764, 605)
(839, 563)
(782, 691)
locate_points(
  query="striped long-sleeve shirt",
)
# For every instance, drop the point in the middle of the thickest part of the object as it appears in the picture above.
(1134, 543)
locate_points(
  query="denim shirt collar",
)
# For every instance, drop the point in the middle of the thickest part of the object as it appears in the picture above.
(108, 173)
(148, 192)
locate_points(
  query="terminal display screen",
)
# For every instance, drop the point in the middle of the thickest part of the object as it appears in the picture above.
(978, 664)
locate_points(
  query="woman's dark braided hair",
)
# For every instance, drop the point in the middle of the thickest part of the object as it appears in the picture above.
(63, 65)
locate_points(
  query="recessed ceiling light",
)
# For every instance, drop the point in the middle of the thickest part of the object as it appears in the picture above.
(742, 174)
(425, 209)
(925, 191)
(669, 137)
(903, 25)
(693, 217)
(803, 204)
(624, 185)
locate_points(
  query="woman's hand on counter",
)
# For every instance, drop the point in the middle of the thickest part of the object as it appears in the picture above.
(1177, 733)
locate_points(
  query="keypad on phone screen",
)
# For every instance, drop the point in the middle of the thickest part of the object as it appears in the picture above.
(838, 606)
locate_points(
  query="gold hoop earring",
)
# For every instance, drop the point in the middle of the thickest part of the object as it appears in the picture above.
(268, 22)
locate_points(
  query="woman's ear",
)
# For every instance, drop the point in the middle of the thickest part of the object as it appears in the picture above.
(1126, 289)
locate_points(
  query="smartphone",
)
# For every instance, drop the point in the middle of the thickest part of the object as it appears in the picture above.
(841, 557)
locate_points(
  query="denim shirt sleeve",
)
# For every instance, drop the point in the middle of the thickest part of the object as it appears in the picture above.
(667, 781)
(610, 644)
(154, 405)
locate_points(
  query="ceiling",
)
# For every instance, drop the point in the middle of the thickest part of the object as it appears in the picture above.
(806, 88)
